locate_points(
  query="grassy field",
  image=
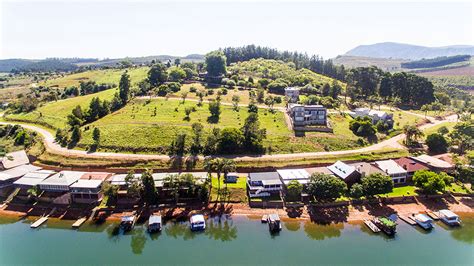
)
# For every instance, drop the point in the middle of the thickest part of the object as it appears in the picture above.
(136, 128)
(236, 192)
(54, 114)
(111, 76)
(401, 191)
(434, 129)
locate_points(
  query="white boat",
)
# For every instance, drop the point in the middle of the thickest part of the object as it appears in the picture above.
(424, 221)
(274, 223)
(154, 223)
(449, 217)
(197, 222)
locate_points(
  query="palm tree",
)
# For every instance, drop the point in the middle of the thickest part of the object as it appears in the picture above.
(412, 134)
(34, 192)
(227, 165)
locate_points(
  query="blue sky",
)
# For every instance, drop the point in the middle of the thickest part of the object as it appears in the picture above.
(38, 29)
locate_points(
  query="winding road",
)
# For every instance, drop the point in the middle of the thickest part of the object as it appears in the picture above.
(55, 148)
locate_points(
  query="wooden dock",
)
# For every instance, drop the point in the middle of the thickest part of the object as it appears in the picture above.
(433, 215)
(407, 219)
(39, 222)
(79, 222)
(372, 226)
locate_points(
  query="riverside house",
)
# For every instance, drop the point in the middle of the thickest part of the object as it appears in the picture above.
(9, 176)
(88, 188)
(434, 163)
(374, 115)
(56, 187)
(394, 170)
(264, 184)
(347, 173)
(410, 165)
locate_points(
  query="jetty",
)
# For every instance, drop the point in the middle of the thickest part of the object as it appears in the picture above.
(433, 215)
(372, 226)
(39, 222)
(407, 219)
(264, 219)
(79, 222)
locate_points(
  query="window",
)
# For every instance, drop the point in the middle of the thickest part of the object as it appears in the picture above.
(402, 180)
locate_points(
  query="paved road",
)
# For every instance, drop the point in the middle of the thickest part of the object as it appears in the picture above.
(53, 147)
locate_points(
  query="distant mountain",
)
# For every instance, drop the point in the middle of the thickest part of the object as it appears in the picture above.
(408, 51)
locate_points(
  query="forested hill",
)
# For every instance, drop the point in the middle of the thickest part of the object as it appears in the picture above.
(408, 51)
(436, 62)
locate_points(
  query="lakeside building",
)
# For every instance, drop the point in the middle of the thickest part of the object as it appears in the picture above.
(9, 176)
(14, 159)
(292, 94)
(366, 169)
(319, 170)
(307, 115)
(410, 165)
(392, 169)
(347, 173)
(434, 164)
(374, 115)
(88, 188)
(61, 181)
(32, 179)
(123, 197)
(264, 184)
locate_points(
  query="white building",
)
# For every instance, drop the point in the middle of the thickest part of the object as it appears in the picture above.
(307, 115)
(14, 159)
(394, 170)
(300, 175)
(61, 181)
(373, 114)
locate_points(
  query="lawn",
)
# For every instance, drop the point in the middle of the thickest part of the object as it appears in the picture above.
(401, 191)
(455, 187)
(402, 118)
(434, 129)
(111, 76)
(136, 128)
(236, 192)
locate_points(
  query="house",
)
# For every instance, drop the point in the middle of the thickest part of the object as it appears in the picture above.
(119, 180)
(373, 114)
(32, 179)
(287, 175)
(61, 181)
(319, 170)
(347, 173)
(292, 94)
(410, 165)
(307, 115)
(392, 169)
(14, 159)
(88, 188)
(231, 178)
(7, 177)
(434, 164)
(263, 184)
(366, 169)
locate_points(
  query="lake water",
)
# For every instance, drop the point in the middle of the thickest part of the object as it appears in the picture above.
(236, 240)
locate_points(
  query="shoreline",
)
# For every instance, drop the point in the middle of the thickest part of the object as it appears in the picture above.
(350, 213)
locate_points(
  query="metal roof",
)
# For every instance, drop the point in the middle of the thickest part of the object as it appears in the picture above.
(154, 219)
(17, 171)
(341, 169)
(87, 183)
(264, 176)
(66, 178)
(390, 167)
(432, 161)
(14, 159)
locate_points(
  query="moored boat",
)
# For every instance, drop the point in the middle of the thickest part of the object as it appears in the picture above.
(154, 223)
(450, 218)
(424, 221)
(127, 222)
(385, 224)
(197, 222)
(274, 223)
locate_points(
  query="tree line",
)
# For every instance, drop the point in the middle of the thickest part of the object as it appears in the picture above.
(435, 62)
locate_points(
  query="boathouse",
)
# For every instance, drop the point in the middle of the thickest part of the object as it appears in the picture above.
(88, 188)
(264, 184)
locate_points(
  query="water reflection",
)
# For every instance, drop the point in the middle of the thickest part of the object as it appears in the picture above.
(321, 231)
(113, 232)
(292, 225)
(222, 229)
(465, 232)
(138, 240)
(179, 229)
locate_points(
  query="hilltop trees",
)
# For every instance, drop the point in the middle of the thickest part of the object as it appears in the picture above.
(157, 75)
(216, 63)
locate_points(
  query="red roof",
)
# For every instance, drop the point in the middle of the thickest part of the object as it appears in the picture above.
(410, 165)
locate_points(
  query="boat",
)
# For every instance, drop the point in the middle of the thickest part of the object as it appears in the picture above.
(424, 221)
(385, 224)
(127, 222)
(154, 223)
(450, 218)
(264, 219)
(197, 222)
(274, 224)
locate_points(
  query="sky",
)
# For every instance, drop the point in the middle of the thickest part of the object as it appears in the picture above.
(120, 28)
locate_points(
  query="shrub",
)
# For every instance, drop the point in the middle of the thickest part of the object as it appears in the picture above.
(377, 184)
(436, 143)
(357, 191)
(430, 182)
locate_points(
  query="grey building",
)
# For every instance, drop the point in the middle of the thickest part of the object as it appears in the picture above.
(263, 184)
(292, 94)
(307, 115)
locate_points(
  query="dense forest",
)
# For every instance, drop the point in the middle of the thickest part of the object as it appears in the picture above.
(436, 62)
(301, 60)
(50, 65)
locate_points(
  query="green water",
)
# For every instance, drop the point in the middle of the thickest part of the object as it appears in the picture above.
(236, 240)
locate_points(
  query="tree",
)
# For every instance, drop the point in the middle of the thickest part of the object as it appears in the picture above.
(412, 134)
(201, 95)
(172, 183)
(230, 140)
(176, 74)
(215, 110)
(270, 101)
(110, 191)
(326, 89)
(294, 190)
(184, 94)
(157, 75)
(253, 135)
(34, 192)
(377, 184)
(357, 191)
(436, 143)
(443, 130)
(148, 191)
(196, 146)
(227, 166)
(76, 135)
(235, 102)
(124, 87)
(187, 111)
(462, 135)
(134, 186)
(178, 145)
(326, 188)
(362, 126)
(216, 64)
(428, 181)
(96, 136)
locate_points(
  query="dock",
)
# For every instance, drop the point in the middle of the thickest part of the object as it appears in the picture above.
(433, 215)
(408, 220)
(372, 226)
(79, 222)
(39, 222)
